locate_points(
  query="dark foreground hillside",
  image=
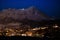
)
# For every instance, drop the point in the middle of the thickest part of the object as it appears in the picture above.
(27, 38)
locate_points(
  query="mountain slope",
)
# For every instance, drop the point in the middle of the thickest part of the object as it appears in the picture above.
(21, 14)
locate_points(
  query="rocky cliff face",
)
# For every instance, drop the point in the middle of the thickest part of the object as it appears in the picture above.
(20, 14)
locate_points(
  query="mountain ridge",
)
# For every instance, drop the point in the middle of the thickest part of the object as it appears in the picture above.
(30, 13)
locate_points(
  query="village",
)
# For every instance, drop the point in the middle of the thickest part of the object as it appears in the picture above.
(17, 29)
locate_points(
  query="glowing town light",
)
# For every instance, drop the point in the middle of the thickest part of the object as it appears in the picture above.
(43, 27)
(23, 34)
(29, 33)
(35, 28)
(12, 34)
(42, 35)
(55, 26)
(21, 30)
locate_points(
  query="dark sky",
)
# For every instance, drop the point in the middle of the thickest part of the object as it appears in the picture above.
(49, 7)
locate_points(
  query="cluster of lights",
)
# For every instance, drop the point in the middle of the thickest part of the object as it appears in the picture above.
(12, 32)
(20, 32)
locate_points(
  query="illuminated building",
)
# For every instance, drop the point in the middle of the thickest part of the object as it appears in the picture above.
(55, 26)
(43, 27)
(36, 29)
(29, 33)
(23, 34)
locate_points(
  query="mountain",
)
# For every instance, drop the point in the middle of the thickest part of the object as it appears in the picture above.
(30, 13)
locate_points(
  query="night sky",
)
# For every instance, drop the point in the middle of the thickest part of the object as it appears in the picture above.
(49, 7)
